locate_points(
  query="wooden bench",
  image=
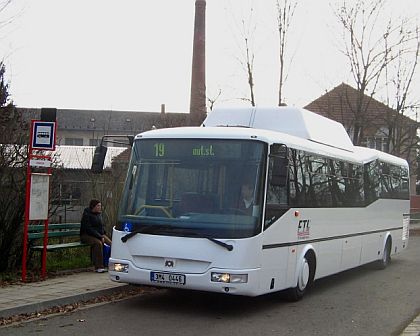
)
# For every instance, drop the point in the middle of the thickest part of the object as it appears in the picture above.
(68, 230)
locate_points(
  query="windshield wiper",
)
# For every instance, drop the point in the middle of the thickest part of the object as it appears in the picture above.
(168, 228)
(196, 234)
(218, 242)
(145, 229)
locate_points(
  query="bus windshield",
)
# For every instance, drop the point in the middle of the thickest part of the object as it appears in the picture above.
(201, 187)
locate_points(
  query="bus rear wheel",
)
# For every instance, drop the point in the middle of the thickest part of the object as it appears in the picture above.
(305, 278)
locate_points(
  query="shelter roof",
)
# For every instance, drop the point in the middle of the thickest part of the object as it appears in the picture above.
(80, 157)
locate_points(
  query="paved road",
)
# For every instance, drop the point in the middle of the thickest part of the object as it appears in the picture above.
(363, 301)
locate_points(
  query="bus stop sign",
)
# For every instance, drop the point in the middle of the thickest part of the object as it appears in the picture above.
(43, 135)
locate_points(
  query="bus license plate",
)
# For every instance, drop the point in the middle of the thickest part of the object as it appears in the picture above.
(170, 278)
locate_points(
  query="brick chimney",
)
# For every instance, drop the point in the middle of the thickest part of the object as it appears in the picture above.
(198, 77)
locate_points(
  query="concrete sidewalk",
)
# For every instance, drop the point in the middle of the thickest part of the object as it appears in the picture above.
(25, 298)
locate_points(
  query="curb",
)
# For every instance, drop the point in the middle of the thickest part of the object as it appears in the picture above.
(413, 329)
(41, 306)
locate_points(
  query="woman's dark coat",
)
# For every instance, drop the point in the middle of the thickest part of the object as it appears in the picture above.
(92, 224)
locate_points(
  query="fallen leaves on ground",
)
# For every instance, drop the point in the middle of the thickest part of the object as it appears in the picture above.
(121, 294)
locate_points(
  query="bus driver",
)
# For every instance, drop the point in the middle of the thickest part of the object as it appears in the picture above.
(247, 198)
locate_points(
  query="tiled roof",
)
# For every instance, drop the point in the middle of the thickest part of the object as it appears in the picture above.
(340, 104)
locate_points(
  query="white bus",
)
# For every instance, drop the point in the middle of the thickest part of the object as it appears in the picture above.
(318, 205)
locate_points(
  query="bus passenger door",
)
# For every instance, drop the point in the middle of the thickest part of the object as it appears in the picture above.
(276, 260)
(277, 185)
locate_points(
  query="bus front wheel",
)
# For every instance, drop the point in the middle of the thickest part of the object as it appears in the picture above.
(305, 278)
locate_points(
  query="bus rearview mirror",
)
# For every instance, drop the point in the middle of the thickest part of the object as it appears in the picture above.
(99, 159)
(278, 150)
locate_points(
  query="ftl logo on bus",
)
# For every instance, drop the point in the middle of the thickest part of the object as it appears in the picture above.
(303, 229)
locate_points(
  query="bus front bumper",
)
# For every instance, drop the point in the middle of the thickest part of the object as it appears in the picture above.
(236, 282)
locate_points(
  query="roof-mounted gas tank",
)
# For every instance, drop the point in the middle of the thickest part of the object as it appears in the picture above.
(290, 120)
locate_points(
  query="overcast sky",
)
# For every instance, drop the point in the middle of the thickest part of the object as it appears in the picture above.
(136, 54)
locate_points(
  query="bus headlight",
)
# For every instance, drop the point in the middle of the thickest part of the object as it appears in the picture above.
(118, 267)
(229, 278)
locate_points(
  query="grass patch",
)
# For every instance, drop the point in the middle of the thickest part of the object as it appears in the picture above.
(57, 261)
(62, 259)
(8, 277)
(69, 259)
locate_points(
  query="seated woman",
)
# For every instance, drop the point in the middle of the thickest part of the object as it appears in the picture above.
(92, 232)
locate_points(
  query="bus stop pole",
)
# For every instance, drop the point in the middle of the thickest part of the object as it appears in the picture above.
(45, 243)
(44, 251)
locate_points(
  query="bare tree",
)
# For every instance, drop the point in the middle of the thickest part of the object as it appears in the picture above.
(381, 57)
(4, 4)
(212, 100)
(247, 32)
(285, 12)
(248, 64)
(247, 29)
(368, 50)
(402, 131)
(13, 158)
